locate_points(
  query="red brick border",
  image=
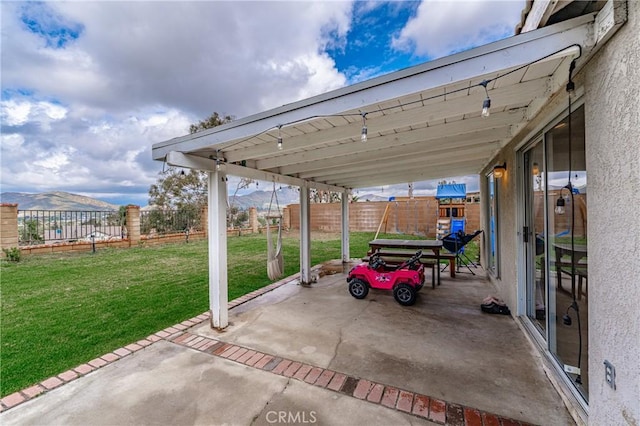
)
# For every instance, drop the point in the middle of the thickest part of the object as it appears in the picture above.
(424, 406)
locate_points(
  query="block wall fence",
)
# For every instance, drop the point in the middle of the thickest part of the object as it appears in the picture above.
(417, 216)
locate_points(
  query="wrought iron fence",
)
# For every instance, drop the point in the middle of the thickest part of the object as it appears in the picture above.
(50, 226)
(160, 222)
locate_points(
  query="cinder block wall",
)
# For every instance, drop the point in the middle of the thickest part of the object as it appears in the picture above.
(416, 216)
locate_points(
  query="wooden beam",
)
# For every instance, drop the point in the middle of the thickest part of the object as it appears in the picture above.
(188, 161)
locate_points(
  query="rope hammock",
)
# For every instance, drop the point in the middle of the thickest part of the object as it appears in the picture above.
(275, 262)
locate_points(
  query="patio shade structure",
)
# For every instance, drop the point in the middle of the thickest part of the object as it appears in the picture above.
(423, 122)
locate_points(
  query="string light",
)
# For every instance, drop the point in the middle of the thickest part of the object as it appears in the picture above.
(279, 137)
(363, 137)
(560, 203)
(486, 105)
(217, 159)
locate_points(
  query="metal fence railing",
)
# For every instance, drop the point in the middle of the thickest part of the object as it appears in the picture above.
(50, 226)
(160, 222)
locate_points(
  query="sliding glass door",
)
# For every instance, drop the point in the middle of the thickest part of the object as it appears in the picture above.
(554, 239)
(533, 232)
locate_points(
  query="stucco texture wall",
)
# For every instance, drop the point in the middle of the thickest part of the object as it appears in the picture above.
(612, 109)
(508, 235)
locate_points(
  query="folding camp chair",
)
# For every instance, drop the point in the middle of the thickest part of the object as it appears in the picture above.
(455, 242)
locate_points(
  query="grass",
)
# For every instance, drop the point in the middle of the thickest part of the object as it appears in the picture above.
(59, 311)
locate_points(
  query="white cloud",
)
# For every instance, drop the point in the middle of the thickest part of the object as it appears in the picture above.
(441, 27)
(423, 188)
(18, 113)
(11, 141)
(82, 115)
(80, 112)
(15, 113)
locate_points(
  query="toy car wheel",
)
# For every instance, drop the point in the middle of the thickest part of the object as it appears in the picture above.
(404, 294)
(358, 288)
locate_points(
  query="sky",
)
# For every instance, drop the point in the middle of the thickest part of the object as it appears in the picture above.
(88, 87)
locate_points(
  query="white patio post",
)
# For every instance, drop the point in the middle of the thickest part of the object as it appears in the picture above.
(218, 283)
(305, 236)
(345, 227)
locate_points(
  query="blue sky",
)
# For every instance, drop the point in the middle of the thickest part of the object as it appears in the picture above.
(88, 87)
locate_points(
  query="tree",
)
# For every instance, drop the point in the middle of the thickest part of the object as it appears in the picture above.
(320, 196)
(186, 191)
(212, 121)
(31, 232)
(178, 190)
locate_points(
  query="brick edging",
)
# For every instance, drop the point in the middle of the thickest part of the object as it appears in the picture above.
(406, 401)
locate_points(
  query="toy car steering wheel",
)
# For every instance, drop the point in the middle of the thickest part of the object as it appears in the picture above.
(414, 259)
(375, 261)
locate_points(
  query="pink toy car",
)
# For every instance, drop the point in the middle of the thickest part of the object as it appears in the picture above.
(405, 280)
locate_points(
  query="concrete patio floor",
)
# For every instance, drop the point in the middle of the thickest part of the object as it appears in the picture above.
(316, 355)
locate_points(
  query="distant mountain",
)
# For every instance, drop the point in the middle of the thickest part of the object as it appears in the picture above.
(261, 199)
(55, 201)
(286, 195)
(66, 201)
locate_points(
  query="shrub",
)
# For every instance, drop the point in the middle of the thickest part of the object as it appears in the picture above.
(13, 254)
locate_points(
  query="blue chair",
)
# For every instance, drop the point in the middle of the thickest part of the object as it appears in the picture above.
(455, 242)
(457, 228)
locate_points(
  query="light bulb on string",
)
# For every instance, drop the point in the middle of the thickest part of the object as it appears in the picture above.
(279, 137)
(363, 136)
(486, 105)
(559, 209)
(486, 108)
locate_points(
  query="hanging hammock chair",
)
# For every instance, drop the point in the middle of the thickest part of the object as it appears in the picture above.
(275, 262)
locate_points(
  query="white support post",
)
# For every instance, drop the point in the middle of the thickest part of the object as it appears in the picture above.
(218, 283)
(345, 227)
(305, 236)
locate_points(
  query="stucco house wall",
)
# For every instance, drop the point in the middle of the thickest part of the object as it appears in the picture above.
(611, 81)
(612, 117)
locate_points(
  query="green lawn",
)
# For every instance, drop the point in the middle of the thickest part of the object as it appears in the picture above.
(59, 311)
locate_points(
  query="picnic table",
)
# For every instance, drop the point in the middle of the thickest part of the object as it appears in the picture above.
(404, 249)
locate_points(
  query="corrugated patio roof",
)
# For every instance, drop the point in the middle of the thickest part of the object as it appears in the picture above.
(423, 122)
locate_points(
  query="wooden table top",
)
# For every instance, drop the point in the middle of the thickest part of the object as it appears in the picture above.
(406, 244)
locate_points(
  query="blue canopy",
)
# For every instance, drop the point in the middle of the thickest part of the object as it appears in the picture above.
(452, 190)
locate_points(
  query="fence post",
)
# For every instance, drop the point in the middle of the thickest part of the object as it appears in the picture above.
(286, 218)
(253, 220)
(133, 225)
(204, 219)
(8, 226)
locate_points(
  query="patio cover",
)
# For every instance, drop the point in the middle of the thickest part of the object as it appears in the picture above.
(451, 190)
(423, 122)
(416, 119)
